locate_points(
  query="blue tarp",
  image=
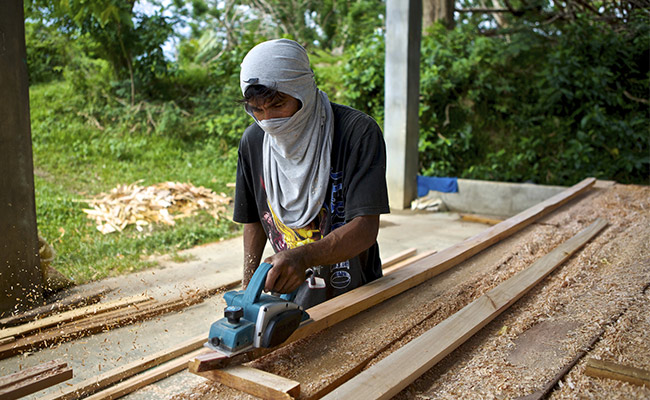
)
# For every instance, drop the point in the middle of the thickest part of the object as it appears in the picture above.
(440, 184)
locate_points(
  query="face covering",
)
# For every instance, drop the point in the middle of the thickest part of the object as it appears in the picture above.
(273, 126)
(296, 151)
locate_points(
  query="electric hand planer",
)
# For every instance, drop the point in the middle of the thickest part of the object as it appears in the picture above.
(253, 319)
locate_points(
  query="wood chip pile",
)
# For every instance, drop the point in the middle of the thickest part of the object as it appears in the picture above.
(160, 203)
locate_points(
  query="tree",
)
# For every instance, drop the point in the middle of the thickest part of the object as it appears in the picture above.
(130, 41)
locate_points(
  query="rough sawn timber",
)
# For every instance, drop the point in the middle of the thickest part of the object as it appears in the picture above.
(351, 303)
(262, 384)
(395, 372)
(64, 304)
(611, 370)
(72, 315)
(33, 379)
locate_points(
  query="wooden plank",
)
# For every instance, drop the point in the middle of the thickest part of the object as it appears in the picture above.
(33, 379)
(351, 303)
(98, 382)
(112, 376)
(153, 375)
(256, 382)
(109, 320)
(401, 256)
(480, 219)
(408, 261)
(395, 372)
(611, 370)
(98, 323)
(72, 315)
(69, 302)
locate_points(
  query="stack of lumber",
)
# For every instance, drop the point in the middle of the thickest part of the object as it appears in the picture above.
(94, 318)
(33, 379)
(63, 304)
(160, 203)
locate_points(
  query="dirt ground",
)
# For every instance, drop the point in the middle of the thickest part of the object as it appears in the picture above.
(593, 306)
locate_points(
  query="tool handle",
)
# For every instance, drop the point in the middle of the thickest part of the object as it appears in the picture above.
(256, 284)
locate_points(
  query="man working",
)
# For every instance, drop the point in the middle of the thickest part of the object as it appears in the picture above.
(311, 177)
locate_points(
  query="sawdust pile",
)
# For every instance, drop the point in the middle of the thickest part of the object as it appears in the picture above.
(595, 293)
(160, 203)
(526, 347)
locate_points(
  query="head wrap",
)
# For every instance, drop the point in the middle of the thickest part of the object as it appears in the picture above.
(296, 153)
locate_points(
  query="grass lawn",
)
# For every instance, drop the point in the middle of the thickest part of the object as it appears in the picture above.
(77, 157)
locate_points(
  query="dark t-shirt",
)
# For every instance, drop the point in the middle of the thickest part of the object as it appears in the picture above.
(357, 187)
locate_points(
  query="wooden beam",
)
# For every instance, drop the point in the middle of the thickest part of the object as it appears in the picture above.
(99, 382)
(109, 320)
(395, 372)
(98, 323)
(606, 369)
(401, 256)
(138, 381)
(33, 379)
(72, 315)
(408, 261)
(64, 304)
(253, 381)
(480, 219)
(351, 303)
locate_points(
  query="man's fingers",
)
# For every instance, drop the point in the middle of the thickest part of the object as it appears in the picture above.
(271, 278)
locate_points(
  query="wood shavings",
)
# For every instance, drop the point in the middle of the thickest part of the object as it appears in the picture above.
(162, 203)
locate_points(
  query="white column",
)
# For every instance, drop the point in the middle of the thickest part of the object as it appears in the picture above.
(402, 84)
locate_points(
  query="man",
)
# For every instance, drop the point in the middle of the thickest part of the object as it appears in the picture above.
(311, 177)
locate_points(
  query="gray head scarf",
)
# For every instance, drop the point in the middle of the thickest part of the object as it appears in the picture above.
(296, 152)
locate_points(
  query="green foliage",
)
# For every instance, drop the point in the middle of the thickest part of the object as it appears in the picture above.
(76, 156)
(536, 106)
(363, 78)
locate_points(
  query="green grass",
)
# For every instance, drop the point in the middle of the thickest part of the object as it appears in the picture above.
(75, 160)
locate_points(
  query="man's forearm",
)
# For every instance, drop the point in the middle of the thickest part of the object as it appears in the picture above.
(345, 242)
(342, 243)
(339, 245)
(254, 242)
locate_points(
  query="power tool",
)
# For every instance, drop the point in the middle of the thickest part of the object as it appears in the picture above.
(253, 319)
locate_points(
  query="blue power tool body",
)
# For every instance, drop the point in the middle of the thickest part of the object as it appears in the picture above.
(254, 319)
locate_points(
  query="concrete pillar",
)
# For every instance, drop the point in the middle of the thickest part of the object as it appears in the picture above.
(402, 89)
(20, 270)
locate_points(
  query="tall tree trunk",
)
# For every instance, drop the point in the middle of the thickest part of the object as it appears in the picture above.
(437, 10)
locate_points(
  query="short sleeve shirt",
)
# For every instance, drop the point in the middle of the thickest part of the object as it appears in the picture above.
(357, 187)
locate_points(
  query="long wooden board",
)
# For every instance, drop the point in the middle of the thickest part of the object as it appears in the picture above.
(63, 304)
(392, 374)
(94, 324)
(401, 256)
(33, 379)
(394, 267)
(346, 305)
(109, 320)
(153, 375)
(256, 382)
(72, 315)
(99, 382)
(610, 370)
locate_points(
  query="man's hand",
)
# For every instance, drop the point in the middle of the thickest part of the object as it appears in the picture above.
(288, 271)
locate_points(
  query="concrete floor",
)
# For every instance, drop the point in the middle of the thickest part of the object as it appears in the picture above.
(208, 266)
